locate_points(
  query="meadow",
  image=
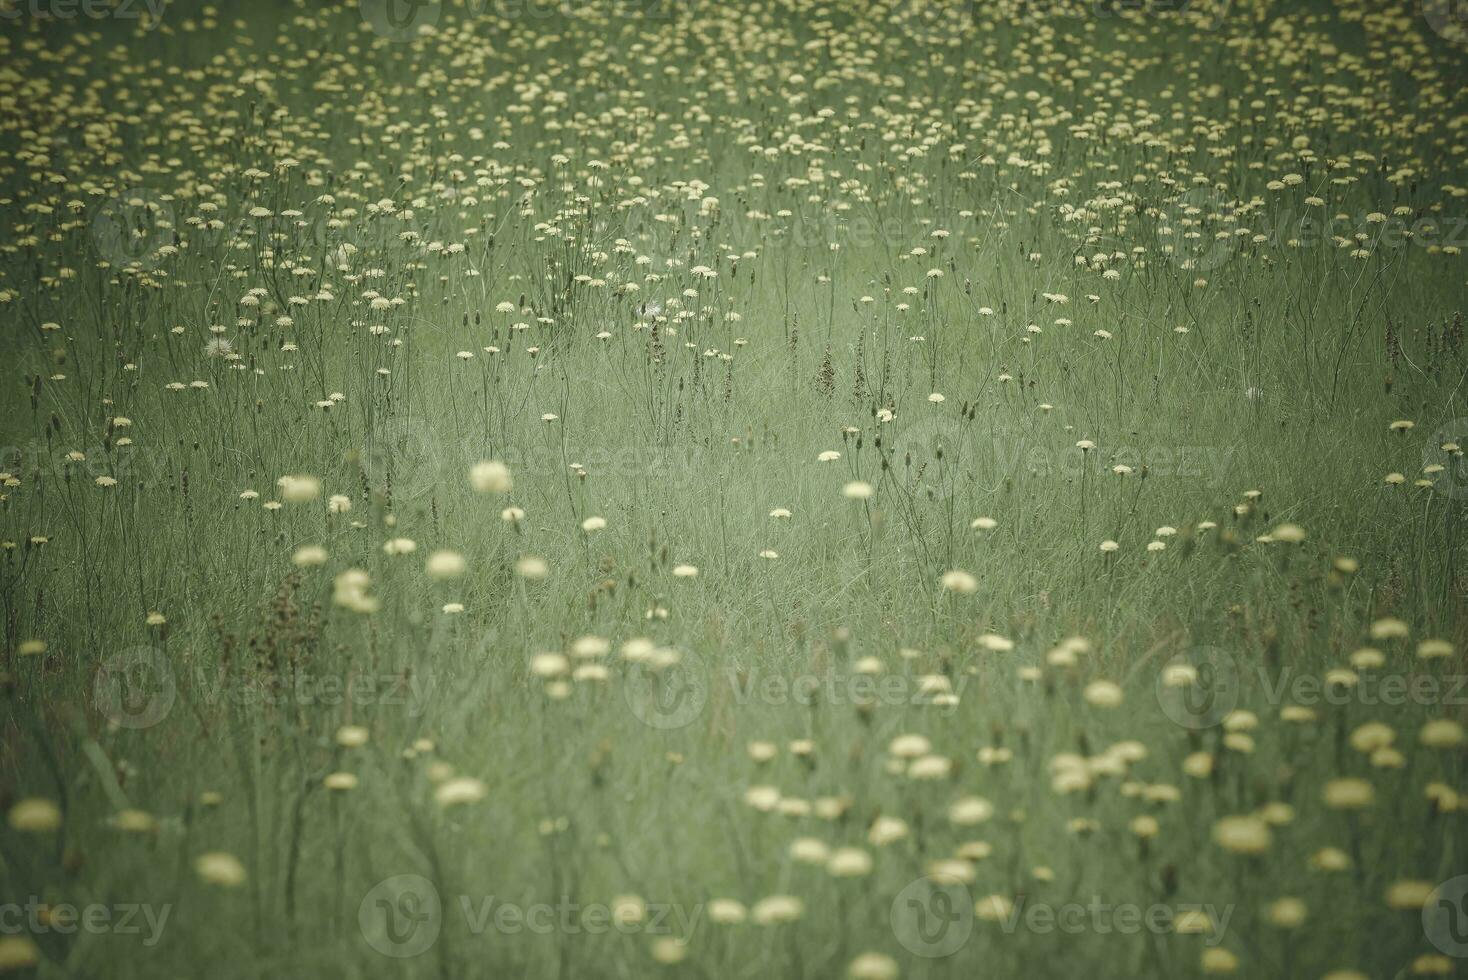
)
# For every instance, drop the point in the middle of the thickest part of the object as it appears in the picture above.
(636, 488)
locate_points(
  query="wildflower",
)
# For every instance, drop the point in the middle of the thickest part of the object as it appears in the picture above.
(133, 821)
(777, 910)
(1389, 628)
(994, 908)
(1288, 533)
(298, 489)
(669, 950)
(460, 791)
(726, 911)
(1441, 733)
(872, 966)
(18, 953)
(220, 868)
(531, 567)
(1192, 922)
(1286, 913)
(35, 815)
(1103, 694)
(491, 476)
(970, 810)
(885, 830)
(960, 582)
(1242, 835)
(444, 565)
(1216, 959)
(1330, 859)
(1434, 649)
(308, 556)
(549, 665)
(849, 862)
(1372, 736)
(1348, 794)
(1408, 894)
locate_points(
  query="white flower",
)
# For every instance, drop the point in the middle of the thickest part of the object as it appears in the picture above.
(491, 476)
(959, 581)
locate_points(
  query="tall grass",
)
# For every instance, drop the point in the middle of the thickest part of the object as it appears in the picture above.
(1135, 286)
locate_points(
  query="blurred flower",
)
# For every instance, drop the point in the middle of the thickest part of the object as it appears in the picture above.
(872, 966)
(220, 868)
(1242, 835)
(35, 815)
(491, 476)
(459, 791)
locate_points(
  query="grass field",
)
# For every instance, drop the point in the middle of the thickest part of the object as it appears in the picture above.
(785, 489)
